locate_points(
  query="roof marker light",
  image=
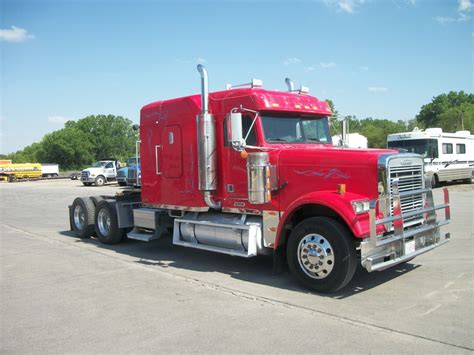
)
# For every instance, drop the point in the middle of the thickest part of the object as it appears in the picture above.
(304, 90)
(257, 83)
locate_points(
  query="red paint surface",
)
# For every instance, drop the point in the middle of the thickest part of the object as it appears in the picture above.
(311, 171)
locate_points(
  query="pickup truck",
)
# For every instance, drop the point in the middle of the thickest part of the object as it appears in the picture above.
(100, 172)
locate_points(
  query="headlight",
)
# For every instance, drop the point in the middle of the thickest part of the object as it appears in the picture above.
(360, 206)
(92, 175)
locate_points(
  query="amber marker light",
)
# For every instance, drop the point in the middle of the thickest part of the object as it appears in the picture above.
(244, 154)
(341, 188)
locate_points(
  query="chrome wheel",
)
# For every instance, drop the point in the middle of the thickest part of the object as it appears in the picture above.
(315, 256)
(79, 219)
(103, 222)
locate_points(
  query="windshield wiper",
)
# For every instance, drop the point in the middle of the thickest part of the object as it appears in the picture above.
(276, 140)
(313, 140)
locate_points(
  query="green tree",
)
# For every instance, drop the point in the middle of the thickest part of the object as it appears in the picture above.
(79, 143)
(69, 147)
(453, 111)
(110, 136)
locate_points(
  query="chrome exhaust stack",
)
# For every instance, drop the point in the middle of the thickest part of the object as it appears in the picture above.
(207, 153)
(289, 83)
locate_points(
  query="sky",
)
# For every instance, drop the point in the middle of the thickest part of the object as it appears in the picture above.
(65, 60)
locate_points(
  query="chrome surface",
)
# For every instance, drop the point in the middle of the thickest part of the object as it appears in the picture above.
(315, 256)
(145, 217)
(345, 131)
(258, 177)
(85, 175)
(403, 241)
(209, 199)
(103, 222)
(271, 219)
(204, 88)
(176, 207)
(207, 153)
(232, 234)
(79, 218)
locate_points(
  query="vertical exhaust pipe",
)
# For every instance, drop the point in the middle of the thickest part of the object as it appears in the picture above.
(206, 136)
(204, 88)
(345, 131)
(289, 83)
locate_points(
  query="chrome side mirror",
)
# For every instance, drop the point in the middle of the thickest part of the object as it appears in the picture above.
(236, 136)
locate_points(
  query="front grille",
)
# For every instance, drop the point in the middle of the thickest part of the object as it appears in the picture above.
(132, 174)
(121, 173)
(409, 178)
(84, 175)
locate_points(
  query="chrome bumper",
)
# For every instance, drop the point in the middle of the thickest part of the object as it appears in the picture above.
(379, 252)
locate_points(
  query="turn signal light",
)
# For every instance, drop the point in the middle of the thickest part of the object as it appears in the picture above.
(341, 188)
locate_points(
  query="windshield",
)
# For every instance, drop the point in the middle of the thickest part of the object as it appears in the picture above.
(428, 148)
(133, 161)
(286, 128)
(99, 164)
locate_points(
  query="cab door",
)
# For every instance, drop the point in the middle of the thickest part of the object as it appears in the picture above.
(235, 167)
(110, 171)
(171, 166)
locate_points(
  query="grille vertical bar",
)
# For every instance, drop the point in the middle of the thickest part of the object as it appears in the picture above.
(409, 178)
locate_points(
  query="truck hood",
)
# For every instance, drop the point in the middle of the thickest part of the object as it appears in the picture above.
(93, 170)
(323, 168)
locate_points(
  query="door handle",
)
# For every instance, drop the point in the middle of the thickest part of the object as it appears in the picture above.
(157, 170)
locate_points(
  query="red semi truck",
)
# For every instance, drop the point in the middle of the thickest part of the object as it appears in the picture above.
(248, 171)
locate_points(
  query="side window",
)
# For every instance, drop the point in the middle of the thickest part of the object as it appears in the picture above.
(447, 148)
(460, 149)
(246, 123)
(109, 165)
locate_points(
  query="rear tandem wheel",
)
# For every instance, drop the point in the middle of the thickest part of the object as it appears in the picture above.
(82, 217)
(106, 223)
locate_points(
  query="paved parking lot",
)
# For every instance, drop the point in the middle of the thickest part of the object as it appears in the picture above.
(62, 294)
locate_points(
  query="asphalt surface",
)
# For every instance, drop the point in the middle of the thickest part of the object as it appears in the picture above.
(62, 294)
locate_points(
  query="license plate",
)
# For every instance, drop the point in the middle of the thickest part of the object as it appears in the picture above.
(409, 247)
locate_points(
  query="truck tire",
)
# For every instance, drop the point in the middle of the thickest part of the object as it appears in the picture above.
(82, 217)
(122, 183)
(106, 223)
(434, 181)
(99, 180)
(321, 254)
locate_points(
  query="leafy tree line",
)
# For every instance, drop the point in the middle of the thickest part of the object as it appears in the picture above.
(91, 138)
(451, 112)
(80, 143)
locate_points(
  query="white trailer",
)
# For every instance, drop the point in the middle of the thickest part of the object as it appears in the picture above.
(49, 170)
(447, 156)
(353, 140)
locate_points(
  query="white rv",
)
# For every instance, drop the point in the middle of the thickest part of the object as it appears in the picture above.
(447, 156)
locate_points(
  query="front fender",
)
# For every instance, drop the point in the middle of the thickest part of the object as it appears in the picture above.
(341, 204)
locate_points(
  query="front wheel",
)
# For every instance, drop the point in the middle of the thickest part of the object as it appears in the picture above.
(99, 181)
(321, 254)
